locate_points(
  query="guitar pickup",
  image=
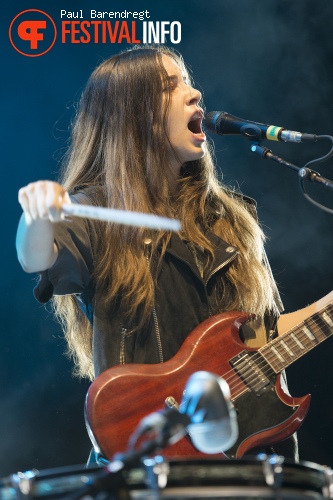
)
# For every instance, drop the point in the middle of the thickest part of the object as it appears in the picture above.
(254, 370)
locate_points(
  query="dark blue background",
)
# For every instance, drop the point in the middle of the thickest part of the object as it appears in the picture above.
(264, 61)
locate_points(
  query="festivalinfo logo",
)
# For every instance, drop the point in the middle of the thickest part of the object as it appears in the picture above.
(33, 32)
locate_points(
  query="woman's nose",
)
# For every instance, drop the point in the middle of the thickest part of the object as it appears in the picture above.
(194, 97)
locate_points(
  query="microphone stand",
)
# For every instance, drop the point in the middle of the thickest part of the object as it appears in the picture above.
(112, 478)
(304, 173)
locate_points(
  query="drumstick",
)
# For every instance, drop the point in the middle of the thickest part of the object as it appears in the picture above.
(121, 216)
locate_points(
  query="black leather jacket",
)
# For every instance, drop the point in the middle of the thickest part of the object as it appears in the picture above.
(183, 297)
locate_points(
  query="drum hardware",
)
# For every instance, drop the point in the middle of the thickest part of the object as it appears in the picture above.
(272, 469)
(156, 470)
(133, 475)
(157, 478)
(328, 488)
(24, 483)
(47, 484)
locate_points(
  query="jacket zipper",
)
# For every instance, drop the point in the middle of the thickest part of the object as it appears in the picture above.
(156, 325)
(155, 319)
(221, 266)
(218, 268)
(122, 359)
(158, 336)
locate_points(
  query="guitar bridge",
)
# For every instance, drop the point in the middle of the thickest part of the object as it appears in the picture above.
(254, 370)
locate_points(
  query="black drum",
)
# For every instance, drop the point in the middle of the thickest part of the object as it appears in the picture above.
(247, 479)
(259, 479)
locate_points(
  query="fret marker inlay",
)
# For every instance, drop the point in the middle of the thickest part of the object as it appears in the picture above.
(297, 341)
(307, 332)
(277, 354)
(328, 320)
(287, 348)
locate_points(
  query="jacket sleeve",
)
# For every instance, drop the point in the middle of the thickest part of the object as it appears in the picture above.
(72, 271)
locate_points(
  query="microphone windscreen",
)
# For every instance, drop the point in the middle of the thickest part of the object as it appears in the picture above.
(206, 401)
(214, 436)
(210, 120)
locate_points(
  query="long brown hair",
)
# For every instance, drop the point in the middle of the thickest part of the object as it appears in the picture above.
(120, 150)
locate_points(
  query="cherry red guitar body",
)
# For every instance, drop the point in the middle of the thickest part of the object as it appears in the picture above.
(121, 396)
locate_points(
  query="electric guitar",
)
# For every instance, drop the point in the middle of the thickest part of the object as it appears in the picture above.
(120, 397)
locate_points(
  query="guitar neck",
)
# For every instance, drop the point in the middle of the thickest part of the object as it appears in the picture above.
(285, 349)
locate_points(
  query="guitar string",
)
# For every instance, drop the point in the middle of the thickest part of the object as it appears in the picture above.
(306, 342)
(261, 365)
(315, 329)
(269, 356)
(254, 376)
(298, 329)
(265, 366)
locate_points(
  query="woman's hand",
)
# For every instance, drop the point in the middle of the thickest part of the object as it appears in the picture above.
(41, 203)
(42, 200)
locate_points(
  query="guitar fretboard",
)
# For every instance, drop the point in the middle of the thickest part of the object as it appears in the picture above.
(284, 350)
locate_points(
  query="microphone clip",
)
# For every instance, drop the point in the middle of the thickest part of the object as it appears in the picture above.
(251, 132)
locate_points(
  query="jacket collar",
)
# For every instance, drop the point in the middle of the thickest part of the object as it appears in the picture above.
(223, 251)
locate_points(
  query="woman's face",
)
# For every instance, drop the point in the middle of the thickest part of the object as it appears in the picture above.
(184, 118)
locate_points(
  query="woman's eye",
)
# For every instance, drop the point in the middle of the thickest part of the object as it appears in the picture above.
(172, 83)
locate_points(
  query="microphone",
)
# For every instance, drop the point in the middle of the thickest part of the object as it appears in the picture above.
(205, 413)
(222, 123)
(213, 427)
(169, 426)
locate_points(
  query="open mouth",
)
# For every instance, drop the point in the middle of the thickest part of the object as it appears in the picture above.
(195, 122)
(195, 126)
